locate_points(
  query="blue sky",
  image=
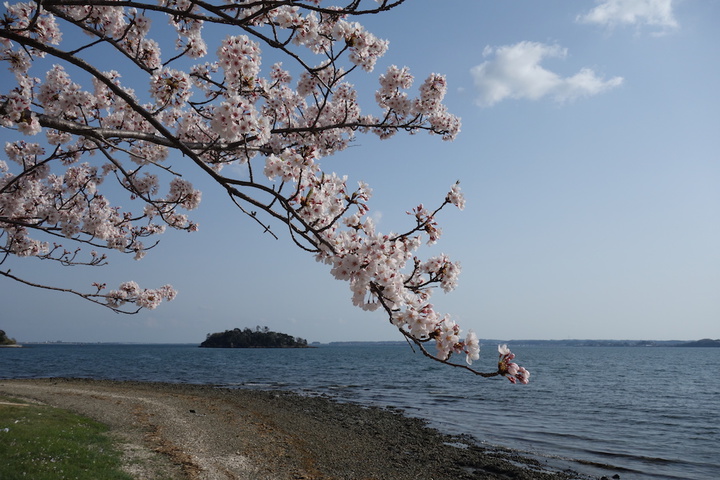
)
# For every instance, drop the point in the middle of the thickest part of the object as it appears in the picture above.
(589, 157)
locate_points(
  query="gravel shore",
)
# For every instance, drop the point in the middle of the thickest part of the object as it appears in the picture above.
(201, 432)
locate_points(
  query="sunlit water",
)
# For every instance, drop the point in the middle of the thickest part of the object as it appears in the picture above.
(641, 413)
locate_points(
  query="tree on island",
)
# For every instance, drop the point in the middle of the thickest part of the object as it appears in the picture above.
(5, 340)
(212, 106)
(247, 338)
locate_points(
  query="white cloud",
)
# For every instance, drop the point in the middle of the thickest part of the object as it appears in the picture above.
(632, 12)
(515, 72)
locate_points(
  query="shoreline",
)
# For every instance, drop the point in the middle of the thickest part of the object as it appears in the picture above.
(189, 431)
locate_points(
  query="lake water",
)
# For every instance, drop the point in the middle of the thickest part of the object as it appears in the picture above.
(638, 412)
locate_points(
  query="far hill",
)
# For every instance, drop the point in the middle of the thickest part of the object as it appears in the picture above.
(258, 338)
(705, 342)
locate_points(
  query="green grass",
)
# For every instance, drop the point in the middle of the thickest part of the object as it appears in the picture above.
(44, 443)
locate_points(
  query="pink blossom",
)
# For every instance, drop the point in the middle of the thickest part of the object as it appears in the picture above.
(472, 347)
(510, 370)
(456, 197)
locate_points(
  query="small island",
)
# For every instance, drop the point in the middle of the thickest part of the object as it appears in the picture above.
(5, 341)
(258, 338)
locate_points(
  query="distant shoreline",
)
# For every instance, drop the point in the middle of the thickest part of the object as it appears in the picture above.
(708, 343)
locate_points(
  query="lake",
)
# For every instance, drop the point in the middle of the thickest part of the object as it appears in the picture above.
(639, 412)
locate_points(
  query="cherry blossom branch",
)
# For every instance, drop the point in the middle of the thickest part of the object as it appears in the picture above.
(94, 298)
(278, 129)
(422, 349)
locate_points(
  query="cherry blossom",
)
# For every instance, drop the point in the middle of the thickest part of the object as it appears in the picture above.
(189, 95)
(506, 367)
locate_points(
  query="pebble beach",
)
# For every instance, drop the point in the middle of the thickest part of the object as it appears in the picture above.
(187, 431)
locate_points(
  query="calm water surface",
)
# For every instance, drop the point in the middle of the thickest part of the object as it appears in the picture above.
(641, 413)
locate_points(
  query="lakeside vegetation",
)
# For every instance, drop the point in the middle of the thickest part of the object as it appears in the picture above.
(45, 443)
(5, 340)
(261, 337)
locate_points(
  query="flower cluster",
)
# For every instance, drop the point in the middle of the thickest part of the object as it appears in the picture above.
(130, 292)
(456, 197)
(237, 119)
(71, 205)
(189, 30)
(511, 370)
(26, 20)
(239, 58)
(428, 106)
(170, 87)
(365, 48)
(375, 265)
